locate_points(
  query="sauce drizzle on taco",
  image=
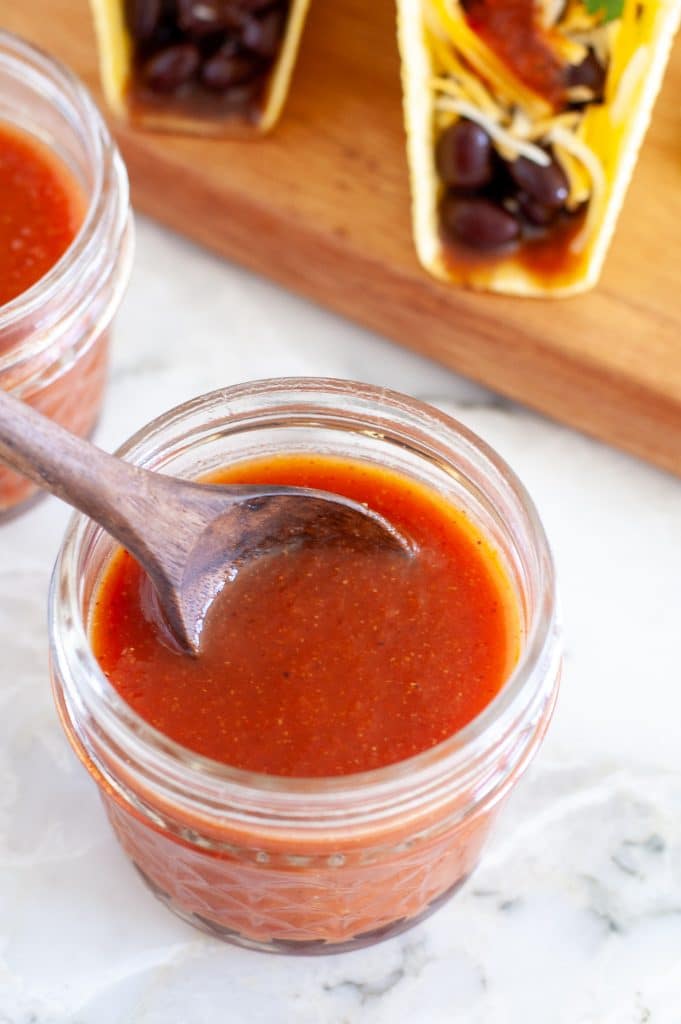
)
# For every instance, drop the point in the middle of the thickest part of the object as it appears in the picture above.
(513, 29)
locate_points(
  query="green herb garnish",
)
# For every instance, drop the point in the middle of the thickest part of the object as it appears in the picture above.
(610, 9)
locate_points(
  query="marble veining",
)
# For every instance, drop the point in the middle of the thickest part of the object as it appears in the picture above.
(574, 916)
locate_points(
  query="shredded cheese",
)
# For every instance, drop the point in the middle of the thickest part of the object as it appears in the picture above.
(580, 94)
(576, 18)
(577, 148)
(551, 11)
(461, 79)
(620, 105)
(572, 51)
(597, 38)
(570, 119)
(578, 178)
(463, 84)
(483, 60)
(510, 146)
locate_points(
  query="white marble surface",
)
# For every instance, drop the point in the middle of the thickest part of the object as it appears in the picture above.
(574, 916)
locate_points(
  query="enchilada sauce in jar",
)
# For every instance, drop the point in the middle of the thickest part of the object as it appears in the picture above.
(65, 246)
(42, 207)
(41, 210)
(318, 663)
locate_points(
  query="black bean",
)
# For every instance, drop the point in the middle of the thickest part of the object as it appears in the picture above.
(225, 45)
(533, 212)
(241, 97)
(263, 35)
(142, 17)
(589, 73)
(501, 186)
(478, 223)
(227, 69)
(166, 33)
(168, 69)
(464, 155)
(547, 185)
(204, 17)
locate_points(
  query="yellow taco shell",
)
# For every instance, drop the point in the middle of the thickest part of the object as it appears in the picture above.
(604, 153)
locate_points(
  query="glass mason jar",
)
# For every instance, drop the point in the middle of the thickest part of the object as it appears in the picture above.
(54, 336)
(310, 865)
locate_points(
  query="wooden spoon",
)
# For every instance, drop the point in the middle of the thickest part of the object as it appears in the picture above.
(190, 538)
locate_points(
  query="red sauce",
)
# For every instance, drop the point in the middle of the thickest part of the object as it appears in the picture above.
(325, 661)
(511, 28)
(41, 210)
(548, 258)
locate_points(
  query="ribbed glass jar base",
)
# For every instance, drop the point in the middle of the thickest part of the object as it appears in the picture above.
(300, 947)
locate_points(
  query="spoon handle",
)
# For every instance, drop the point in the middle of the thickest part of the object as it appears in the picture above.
(56, 460)
(114, 493)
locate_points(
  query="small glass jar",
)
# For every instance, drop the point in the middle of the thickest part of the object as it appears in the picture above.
(54, 336)
(310, 865)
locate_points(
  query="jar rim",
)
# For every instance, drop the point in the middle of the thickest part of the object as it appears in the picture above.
(213, 780)
(51, 75)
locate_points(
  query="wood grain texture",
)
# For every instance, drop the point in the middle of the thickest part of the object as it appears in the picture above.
(322, 206)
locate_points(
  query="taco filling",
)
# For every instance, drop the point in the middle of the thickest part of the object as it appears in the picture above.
(524, 118)
(511, 165)
(220, 53)
(198, 64)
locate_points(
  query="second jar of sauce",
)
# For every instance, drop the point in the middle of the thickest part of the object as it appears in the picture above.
(65, 245)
